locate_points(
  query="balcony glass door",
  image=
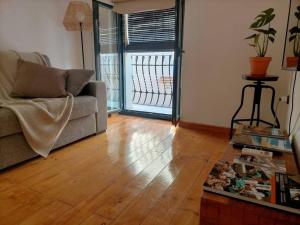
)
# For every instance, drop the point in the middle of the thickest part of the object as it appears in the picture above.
(149, 46)
(107, 50)
(138, 55)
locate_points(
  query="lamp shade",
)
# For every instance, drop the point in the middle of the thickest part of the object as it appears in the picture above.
(76, 13)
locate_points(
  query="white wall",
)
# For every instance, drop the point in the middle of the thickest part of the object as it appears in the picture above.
(217, 55)
(37, 25)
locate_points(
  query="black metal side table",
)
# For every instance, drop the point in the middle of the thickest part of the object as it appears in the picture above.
(258, 85)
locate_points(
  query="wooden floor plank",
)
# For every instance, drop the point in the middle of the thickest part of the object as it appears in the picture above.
(47, 214)
(166, 207)
(114, 189)
(16, 198)
(117, 198)
(96, 169)
(21, 213)
(80, 216)
(89, 181)
(189, 210)
(141, 171)
(5, 184)
(184, 149)
(138, 210)
(95, 220)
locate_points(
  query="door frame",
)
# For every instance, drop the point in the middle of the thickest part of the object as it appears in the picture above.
(176, 110)
(177, 55)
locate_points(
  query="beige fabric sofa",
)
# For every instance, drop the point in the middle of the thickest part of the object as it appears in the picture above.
(89, 116)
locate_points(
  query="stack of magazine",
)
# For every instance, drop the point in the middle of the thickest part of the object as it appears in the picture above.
(271, 139)
(254, 176)
(263, 131)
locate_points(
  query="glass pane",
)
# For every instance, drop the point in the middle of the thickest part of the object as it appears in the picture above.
(149, 81)
(109, 56)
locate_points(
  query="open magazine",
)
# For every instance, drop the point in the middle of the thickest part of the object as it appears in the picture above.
(261, 159)
(245, 182)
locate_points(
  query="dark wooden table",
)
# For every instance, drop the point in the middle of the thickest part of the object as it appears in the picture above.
(221, 210)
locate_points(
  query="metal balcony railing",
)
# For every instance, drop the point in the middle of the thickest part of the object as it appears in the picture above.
(151, 77)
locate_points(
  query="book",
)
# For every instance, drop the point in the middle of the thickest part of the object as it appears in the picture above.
(261, 159)
(257, 152)
(287, 191)
(263, 131)
(244, 182)
(259, 142)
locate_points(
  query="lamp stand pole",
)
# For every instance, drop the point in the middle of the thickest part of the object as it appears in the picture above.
(82, 51)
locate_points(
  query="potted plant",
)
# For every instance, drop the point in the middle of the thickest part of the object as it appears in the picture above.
(295, 38)
(264, 33)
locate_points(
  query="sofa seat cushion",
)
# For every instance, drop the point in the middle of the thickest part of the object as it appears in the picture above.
(83, 106)
(9, 123)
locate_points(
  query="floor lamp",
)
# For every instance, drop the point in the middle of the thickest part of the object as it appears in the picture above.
(78, 17)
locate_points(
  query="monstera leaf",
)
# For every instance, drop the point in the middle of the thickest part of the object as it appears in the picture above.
(263, 19)
(262, 28)
(294, 30)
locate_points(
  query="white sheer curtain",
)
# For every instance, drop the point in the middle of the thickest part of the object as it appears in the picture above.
(133, 6)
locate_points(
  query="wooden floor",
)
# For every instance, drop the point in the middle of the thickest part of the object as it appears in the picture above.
(140, 171)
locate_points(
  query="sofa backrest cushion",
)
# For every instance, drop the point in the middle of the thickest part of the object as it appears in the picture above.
(77, 79)
(8, 68)
(39, 81)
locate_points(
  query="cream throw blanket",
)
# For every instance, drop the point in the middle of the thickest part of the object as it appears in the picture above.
(42, 120)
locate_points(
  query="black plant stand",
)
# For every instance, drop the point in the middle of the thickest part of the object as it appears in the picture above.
(258, 85)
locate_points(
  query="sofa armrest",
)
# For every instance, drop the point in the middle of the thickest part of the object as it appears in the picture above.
(98, 90)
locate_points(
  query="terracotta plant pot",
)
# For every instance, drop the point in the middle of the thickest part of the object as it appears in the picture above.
(259, 65)
(292, 62)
